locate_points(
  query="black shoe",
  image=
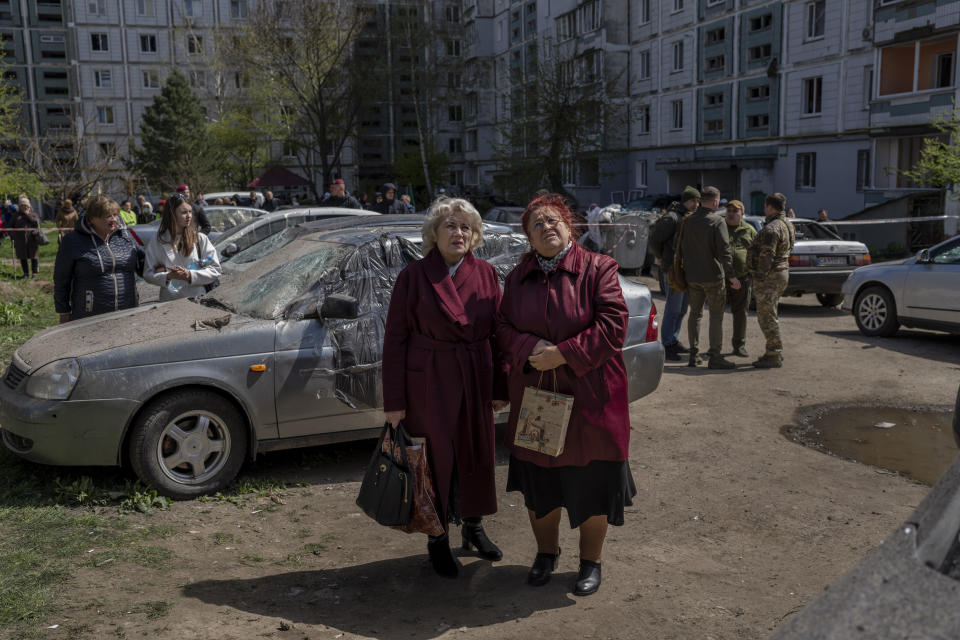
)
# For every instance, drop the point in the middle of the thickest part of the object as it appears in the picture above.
(719, 362)
(474, 536)
(768, 361)
(681, 348)
(671, 353)
(693, 360)
(589, 579)
(441, 557)
(543, 565)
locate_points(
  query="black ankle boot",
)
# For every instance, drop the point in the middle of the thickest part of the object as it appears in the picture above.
(543, 565)
(441, 557)
(588, 581)
(474, 536)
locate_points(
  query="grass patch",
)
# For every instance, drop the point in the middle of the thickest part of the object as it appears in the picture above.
(26, 306)
(152, 557)
(220, 539)
(156, 610)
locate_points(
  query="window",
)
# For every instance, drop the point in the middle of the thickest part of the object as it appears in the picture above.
(867, 86)
(713, 99)
(716, 36)
(760, 92)
(643, 119)
(588, 172)
(454, 80)
(758, 121)
(453, 13)
(102, 79)
(193, 8)
(97, 7)
(471, 142)
(917, 66)
(194, 45)
(714, 126)
(148, 44)
(105, 115)
(99, 42)
(812, 88)
(151, 79)
(715, 63)
(453, 48)
(715, 3)
(456, 177)
(107, 150)
(644, 64)
(678, 55)
(761, 22)
(198, 79)
(644, 11)
(677, 5)
(806, 171)
(816, 19)
(640, 174)
(677, 108)
(455, 113)
(568, 172)
(759, 52)
(238, 9)
(455, 145)
(863, 169)
(146, 8)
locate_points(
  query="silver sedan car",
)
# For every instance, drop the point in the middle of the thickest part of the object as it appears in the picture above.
(285, 353)
(922, 291)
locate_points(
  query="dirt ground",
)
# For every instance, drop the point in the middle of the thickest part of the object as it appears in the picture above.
(735, 527)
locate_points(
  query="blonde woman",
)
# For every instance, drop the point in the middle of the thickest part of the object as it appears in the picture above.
(440, 366)
(180, 260)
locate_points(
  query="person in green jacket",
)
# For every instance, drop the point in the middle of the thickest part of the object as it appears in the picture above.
(127, 214)
(741, 237)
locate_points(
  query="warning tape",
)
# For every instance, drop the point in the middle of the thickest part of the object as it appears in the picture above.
(44, 229)
(887, 220)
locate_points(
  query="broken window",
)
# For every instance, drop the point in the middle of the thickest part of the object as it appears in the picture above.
(917, 66)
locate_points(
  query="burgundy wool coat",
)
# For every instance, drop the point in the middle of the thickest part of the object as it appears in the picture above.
(439, 366)
(579, 307)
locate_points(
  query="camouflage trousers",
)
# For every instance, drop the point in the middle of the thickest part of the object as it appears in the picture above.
(714, 294)
(767, 292)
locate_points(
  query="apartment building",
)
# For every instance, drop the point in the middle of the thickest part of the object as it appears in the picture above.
(823, 101)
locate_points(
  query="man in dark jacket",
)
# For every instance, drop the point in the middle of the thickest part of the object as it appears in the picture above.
(338, 196)
(663, 242)
(269, 202)
(201, 221)
(708, 264)
(390, 203)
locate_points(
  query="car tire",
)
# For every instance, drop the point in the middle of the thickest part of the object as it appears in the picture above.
(188, 443)
(876, 312)
(830, 299)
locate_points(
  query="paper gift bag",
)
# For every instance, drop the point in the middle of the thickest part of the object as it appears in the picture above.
(423, 514)
(544, 416)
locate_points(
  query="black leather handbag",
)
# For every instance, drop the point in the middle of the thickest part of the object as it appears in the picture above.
(386, 493)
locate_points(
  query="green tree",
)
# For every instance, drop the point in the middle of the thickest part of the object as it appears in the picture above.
(15, 176)
(177, 146)
(939, 163)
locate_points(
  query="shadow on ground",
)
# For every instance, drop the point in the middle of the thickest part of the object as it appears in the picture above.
(396, 598)
(942, 347)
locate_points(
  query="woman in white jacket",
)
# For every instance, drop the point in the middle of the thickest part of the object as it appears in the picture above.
(180, 260)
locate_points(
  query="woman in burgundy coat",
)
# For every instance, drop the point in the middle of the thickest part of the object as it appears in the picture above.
(563, 311)
(439, 371)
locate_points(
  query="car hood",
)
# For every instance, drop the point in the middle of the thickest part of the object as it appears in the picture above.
(143, 325)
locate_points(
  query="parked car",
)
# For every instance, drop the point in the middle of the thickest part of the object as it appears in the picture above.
(820, 261)
(222, 219)
(246, 235)
(285, 353)
(243, 198)
(504, 215)
(922, 291)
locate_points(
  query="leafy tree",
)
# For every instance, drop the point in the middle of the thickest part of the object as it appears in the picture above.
(302, 54)
(939, 163)
(15, 176)
(177, 146)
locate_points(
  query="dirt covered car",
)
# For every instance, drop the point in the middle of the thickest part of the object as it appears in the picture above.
(285, 353)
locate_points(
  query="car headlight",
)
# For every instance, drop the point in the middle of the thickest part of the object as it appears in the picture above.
(54, 381)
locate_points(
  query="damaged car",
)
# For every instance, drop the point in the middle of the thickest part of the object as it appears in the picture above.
(285, 353)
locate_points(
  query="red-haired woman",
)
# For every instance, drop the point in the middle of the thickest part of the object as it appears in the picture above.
(563, 311)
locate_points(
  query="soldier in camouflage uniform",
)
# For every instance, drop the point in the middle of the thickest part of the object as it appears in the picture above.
(769, 262)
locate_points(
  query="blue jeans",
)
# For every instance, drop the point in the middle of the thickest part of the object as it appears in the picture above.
(673, 311)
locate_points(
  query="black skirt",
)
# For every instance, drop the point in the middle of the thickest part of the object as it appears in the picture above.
(601, 488)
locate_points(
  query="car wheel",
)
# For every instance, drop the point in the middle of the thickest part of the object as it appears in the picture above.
(876, 313)
(830, 299)
(188, 443)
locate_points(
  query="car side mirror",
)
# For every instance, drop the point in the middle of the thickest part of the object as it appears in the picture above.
(231, 249)
(339, 305)
(923, 257)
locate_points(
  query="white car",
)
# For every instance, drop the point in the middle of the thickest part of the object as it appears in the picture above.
(922, 292)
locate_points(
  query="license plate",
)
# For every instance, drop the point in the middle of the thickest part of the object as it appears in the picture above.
(825, 260)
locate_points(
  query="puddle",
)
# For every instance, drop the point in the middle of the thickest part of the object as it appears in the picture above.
(915, 442)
